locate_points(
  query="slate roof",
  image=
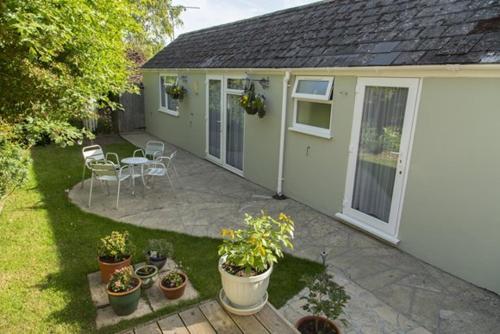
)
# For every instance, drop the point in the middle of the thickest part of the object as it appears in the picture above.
(343, 33)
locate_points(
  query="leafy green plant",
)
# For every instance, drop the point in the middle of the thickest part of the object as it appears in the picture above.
(326, 298)
(173, 278)
(123, 280)
(14, 162)
(159, 248)
(255, 248)
(115, 247)
(177, 92)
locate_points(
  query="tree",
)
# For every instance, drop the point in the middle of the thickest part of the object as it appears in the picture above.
(61, 58)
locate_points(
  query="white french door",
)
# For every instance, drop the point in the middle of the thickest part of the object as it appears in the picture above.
(383, 123)
(225, 122)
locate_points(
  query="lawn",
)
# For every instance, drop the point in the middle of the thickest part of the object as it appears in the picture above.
(48, 246)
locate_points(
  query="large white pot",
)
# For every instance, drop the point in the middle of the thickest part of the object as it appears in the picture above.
(244, 291)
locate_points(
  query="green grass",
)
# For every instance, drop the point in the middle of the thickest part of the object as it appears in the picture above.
(47, 247)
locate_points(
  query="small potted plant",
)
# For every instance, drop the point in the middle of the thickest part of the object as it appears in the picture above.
(158, 251)
(253, 103)
(173, 284)
(114, 252)
(177, 92)
(326, 301)
(148, 275)
(124, 291)
(247, 257)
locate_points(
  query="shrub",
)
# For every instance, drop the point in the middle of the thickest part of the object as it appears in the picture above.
(115, 247)
(14, 162)
(325, 297)
(255, 248)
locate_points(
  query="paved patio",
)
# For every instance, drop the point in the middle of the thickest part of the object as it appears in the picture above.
(392, 292)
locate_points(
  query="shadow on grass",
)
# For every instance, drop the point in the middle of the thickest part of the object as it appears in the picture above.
(75, 235)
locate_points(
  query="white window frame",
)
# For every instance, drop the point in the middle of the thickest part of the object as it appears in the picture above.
(167, 97)
(324, 97)
(314, 98)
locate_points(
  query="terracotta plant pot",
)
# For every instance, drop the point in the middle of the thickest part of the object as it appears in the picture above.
(307, 325)
(124, 303)
(147, 279)
(174, 293)
(108, 268)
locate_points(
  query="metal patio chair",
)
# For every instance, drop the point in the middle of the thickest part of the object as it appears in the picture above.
(153, 149)
(107, 172)
(96, 153)
(162, 166)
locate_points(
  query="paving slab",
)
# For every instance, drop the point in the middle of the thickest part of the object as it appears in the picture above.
(152, 299)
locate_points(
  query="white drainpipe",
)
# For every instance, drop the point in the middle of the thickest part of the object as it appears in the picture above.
(279, 190)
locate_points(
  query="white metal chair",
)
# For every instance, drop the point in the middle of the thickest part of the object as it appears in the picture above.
(153, 149)
(107, 172)
(161, 166)
(96, 153)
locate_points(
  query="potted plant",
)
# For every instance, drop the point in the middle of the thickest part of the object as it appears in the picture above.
(173, 284)
(326, 301)
(114, 252)
(124, 291)
(253, 103)
(247, 258)
(148, 275)
(177, 92)
(158, 251)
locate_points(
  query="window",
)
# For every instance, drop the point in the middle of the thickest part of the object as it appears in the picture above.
(235, 84)
(168, 104)
(313, 106)
(317, 88)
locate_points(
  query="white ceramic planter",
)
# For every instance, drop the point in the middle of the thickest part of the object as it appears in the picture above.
(244, 292)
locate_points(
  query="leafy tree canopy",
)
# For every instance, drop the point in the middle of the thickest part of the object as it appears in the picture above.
(58, 58)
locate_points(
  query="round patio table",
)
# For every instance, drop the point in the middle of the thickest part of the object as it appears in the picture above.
(132, 162)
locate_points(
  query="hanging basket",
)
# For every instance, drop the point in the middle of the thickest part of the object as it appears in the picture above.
(254, 104)
(176, 92)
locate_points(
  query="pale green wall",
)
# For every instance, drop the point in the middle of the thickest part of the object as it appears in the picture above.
(317, 176)
(188, 131)
(451, 211)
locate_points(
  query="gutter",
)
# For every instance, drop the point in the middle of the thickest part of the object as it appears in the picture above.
(279, 188)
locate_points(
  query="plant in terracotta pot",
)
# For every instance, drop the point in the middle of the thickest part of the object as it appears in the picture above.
(173, 283)
(247, 257)
(114, 252)
(124, 291)
(158, 251)
(326, 301)
(148, 275)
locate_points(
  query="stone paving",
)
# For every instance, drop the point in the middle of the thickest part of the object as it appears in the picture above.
(393, 292)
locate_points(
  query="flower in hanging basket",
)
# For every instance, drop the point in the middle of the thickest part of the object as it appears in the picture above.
(253, 103)
(176, 92)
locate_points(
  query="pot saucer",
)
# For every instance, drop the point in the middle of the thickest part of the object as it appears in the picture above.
(238, 310)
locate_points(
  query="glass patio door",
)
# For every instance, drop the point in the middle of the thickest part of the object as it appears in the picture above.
(225, 122)
(383, 118)
(214, 118)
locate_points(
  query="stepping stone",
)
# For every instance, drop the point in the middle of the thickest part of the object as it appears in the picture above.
(152, 299)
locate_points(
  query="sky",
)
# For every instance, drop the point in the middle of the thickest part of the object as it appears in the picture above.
(215, 12)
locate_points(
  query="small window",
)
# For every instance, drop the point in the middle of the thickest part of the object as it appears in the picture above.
(313, 106)
(236, 84)
(318, 88)
(168, 104)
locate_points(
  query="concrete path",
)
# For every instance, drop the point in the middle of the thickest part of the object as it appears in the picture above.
(392, 292)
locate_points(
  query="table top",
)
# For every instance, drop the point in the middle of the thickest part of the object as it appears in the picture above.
(134, 161)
